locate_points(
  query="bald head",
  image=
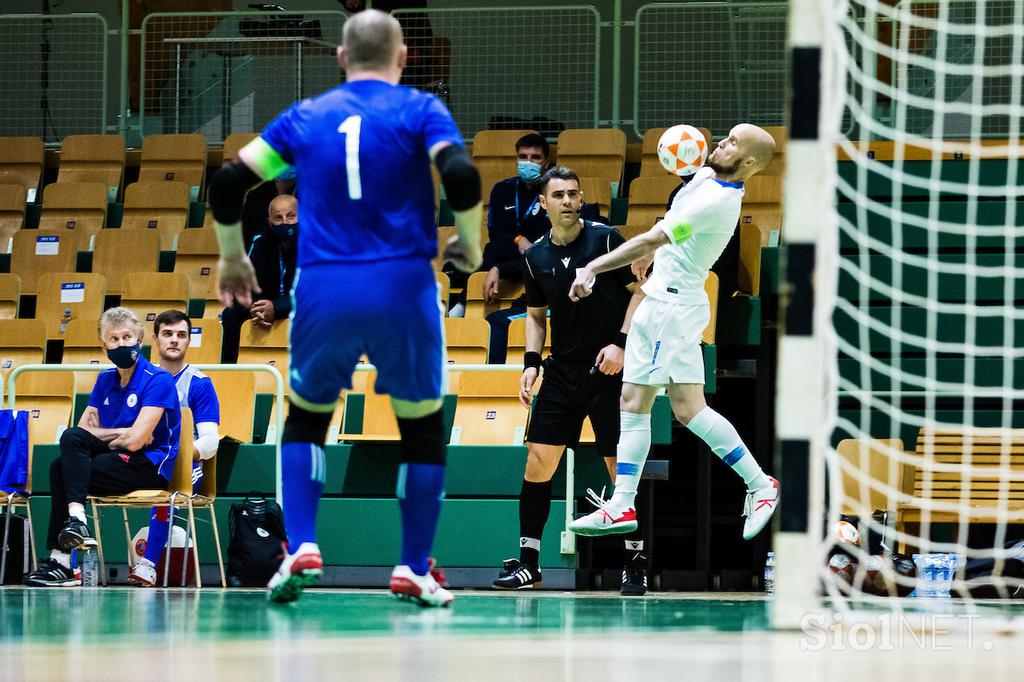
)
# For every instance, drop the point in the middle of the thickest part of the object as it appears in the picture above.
(756, 143)
(371, 41)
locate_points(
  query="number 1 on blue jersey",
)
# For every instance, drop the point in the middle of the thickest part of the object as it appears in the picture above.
(350, 129)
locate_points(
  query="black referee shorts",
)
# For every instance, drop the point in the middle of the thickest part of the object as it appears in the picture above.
(567, 396)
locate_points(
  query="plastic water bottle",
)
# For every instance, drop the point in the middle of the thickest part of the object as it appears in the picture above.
(90, 568)
(65, 320)
(769, 573)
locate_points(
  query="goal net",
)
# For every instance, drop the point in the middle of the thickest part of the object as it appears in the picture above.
(920, 271)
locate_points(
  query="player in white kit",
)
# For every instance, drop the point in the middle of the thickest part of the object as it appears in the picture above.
(663, 344)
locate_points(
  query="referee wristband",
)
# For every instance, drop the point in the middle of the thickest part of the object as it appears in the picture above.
(620, 339)
(531, 359)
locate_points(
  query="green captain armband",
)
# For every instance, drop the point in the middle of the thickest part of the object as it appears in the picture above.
(263, 159)
(680, 233)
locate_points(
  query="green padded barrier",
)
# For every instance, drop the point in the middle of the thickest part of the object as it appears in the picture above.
(739, 321)
(360, 532)
(880, 226)
(992, 173)
(988, 372)
(950, 326)
(947, 287)
(769, 270)
(710, 365)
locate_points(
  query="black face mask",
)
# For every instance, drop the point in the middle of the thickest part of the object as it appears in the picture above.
(286, 232)
(125, 357)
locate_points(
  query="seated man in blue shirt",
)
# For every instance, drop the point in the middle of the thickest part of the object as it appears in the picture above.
(172, 333)
(127, 439)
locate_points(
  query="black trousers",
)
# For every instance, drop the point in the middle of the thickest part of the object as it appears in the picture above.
(87, 466)
(231, 332)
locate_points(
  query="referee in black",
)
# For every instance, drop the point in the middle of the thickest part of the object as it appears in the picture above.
(583, 374)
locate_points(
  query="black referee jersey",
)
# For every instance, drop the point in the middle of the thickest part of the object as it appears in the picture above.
(578, 330)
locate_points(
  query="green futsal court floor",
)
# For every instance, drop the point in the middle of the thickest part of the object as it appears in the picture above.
(209, 634)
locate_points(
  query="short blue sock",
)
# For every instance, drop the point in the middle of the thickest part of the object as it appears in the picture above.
(158, 531)
(303, 471)
(420, 491)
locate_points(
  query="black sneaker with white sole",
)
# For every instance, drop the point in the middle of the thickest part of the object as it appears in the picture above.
(515, 575)
(51, 574)
(75, 535)
(634, 577)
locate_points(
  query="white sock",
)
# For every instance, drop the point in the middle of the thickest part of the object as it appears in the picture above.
(722, 438)
(77, 510)
(634, 444)
(62, 558)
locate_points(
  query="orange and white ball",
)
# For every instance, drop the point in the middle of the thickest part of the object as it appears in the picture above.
(682, 150)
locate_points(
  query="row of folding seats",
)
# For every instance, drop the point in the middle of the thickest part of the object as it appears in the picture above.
(101, 159)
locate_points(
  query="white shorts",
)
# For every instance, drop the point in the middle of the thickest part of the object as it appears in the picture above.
(663, 344)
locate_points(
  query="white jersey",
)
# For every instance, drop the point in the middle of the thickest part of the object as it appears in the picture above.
(699, 224)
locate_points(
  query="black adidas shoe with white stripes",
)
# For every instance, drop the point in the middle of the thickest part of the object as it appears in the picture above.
(52, 574)
(634, 577)
(515, 575)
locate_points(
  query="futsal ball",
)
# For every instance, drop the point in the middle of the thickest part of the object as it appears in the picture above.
(845, 533)
(682, 150)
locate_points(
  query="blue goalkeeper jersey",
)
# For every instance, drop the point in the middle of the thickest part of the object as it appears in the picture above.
(361, 157)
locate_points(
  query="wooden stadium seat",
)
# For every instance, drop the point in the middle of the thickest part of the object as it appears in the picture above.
(872, 460)
(21, 163)
(234, 142)
(508, 291)
(748, 275)
(36, 252)
(205, 342)
(22, 342)
(517, 338)
(197, 259)
(711, 289)
(236, 392)
(649, 163)
(177, 495)
(766, 216)
(120, 252)
(444, 286)
(93, 158)
(763, 189)
(494, 154)
(594, 153)
(648, 199)
(12, 214)
(151, 293)
(10, 296)
(48, 398)
(259, 346)
(160, 206)
(368, 414)
(467, 340)
(82, 346)
(174, 157)
(630, 230)
(333, 429)
(488, 411)
(80, 207)
(204, 498)
(81, 293)
(598, 191)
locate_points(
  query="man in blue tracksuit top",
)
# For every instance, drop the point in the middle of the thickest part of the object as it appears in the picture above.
(127, 439)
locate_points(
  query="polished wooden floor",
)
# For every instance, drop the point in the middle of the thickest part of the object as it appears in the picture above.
(212, 634)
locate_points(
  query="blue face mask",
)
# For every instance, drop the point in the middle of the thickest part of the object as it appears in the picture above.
(287, 174)
(529, 171)
(125, 357)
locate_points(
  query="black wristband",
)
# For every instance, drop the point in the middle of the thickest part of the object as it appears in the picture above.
(620, 340)
(531, 359)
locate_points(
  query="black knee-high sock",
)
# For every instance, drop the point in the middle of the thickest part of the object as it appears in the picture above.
(534, 507)
(634, 541)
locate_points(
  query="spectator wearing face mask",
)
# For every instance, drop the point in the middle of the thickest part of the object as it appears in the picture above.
(273, 254)
(257, 203)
